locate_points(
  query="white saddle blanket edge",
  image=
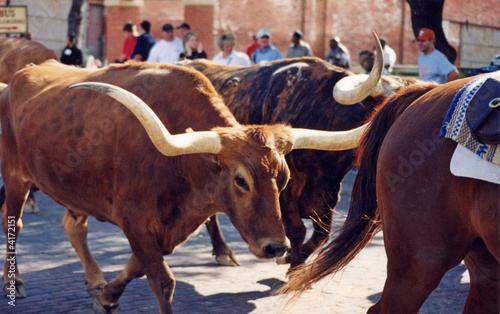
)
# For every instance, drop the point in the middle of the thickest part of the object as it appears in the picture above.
(465, 163)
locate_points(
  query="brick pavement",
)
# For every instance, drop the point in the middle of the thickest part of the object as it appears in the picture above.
(54, 277)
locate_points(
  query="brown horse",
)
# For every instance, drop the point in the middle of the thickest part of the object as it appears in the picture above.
(432, 220)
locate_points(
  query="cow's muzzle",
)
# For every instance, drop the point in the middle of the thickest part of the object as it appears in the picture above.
(274, 251)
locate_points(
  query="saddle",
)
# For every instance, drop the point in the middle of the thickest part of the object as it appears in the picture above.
(483, 113)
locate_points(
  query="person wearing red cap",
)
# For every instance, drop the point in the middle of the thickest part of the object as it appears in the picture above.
(432, 63)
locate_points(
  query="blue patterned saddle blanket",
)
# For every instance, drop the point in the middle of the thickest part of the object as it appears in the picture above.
(455, 126)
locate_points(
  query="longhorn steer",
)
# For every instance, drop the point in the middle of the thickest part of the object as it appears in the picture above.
(432, 220)
(299, 92)
(90, 154)
(15, 54)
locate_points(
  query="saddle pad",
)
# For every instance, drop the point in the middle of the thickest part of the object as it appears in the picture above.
(455, 127)
(465, 163)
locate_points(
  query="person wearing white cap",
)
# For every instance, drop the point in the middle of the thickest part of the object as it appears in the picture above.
(298, 48)
(266, 51)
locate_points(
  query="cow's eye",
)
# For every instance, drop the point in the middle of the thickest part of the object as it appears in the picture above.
(241, 183)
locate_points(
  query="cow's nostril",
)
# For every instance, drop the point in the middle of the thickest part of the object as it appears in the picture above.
(273, 251)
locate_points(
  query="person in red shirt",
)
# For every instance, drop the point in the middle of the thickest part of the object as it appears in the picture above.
(131, 34)
(253, 46)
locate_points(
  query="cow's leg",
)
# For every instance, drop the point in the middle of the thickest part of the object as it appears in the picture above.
(322, 225)
(76, 229)
(15, 196)
(31, 207)
(146, 259)
(223, 254)
(321, 214)
(295, 232)
(110, 293)
(484, 291)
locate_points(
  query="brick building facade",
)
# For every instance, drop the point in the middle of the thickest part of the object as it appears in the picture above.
(471, 28)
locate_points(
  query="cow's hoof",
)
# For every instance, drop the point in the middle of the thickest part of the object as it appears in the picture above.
(99, 309)
(31, 207)
(14, 290)
(227, 259)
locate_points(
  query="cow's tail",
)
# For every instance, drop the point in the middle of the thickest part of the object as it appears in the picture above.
(363, 219)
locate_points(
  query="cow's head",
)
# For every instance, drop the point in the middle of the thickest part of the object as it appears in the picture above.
(248, 164)
(253, 172)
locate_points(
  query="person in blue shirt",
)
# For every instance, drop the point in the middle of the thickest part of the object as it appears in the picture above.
(144, 43)
(432, 63)
(266, 51)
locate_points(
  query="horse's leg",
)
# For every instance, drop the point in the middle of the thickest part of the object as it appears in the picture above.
(15, 196)
(223, 254)
(425, 235)
(76, 229)
(484, 291)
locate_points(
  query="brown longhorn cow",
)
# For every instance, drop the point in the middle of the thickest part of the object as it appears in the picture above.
(15, 54)
(299, 92)
(92, 155)
(431, 219)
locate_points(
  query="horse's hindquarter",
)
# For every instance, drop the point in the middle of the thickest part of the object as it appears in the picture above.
(417, 194)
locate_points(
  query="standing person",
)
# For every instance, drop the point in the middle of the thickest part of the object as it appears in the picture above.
(338, 54)
(228, 55)
(130, 31)
(389, 56)
(432, 63)
(182, 30)
(266, 51)
(71, 54)
(298, 47)
(167, 49)
(144, 43)
(253, 46)
(366, 60)
(192, 47)
(28, 35)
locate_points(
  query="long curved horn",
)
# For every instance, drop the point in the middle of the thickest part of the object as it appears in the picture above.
(355, 88)
(327, 140)
(167, 144)
(2, 87)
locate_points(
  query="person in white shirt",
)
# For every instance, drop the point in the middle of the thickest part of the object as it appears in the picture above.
(389, 56)
(228, 55)
(168, 49)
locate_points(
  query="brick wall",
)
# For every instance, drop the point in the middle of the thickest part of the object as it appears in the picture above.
(116, 18)
(201, 19)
